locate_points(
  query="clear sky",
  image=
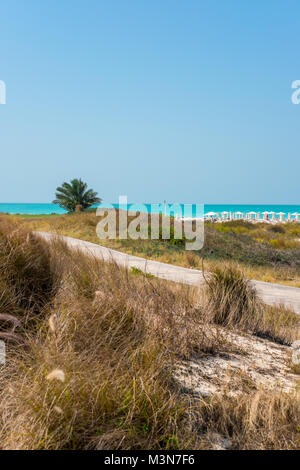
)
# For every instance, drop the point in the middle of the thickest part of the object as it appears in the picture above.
(188, 101)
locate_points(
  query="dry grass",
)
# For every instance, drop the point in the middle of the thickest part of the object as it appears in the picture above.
(266, 253)
(96, 371)
(256, 420)
(233, 303)
(232, 300)
(112, 337)
(28, 279)
(284, 275)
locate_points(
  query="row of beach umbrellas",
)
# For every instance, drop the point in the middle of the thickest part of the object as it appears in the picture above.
(252, 215)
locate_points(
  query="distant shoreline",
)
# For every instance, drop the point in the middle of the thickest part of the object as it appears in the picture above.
(45, 209)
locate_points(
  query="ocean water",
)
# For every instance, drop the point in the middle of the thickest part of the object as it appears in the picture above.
(188, 210)
(32, 209)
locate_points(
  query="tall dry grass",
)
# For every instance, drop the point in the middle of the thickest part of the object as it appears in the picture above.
(232, 300)
(259, 419)
(28, 279)
(96, 371)
(233, 303)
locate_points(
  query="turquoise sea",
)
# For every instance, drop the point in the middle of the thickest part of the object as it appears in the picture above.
(32, 209)
(189, 210)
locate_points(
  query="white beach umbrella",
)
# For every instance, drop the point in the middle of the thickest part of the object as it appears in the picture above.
(272, 213)
(265, 213)
(224, 214)
(238, 214)
(250, 214)
(281, 215)
(210, 214)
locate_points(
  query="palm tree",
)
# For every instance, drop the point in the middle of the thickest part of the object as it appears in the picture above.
(75, 195)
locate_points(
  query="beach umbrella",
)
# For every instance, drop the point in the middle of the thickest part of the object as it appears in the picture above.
(265, 213)
(296, 215)
(281, 215)
(210, 214)
(251, 213)
(273, 215)
(224, 214)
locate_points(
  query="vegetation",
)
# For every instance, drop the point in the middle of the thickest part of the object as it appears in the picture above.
(247, 246)
(286, 236)
(94, 351)
(75, 196)
(26, 276)
(138, 271)
(232, 302)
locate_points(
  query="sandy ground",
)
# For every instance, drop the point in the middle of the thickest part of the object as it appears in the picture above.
(255, 362)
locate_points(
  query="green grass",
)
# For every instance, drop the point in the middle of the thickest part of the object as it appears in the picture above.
(138, 271)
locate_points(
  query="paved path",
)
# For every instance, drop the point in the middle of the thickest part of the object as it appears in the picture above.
(269, 293)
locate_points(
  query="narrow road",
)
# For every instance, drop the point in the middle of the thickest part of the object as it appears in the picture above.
(268, 292)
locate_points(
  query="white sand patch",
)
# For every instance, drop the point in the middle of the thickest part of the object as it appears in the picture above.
(260, 363)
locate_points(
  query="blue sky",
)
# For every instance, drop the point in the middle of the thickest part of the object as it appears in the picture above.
(188, 101)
